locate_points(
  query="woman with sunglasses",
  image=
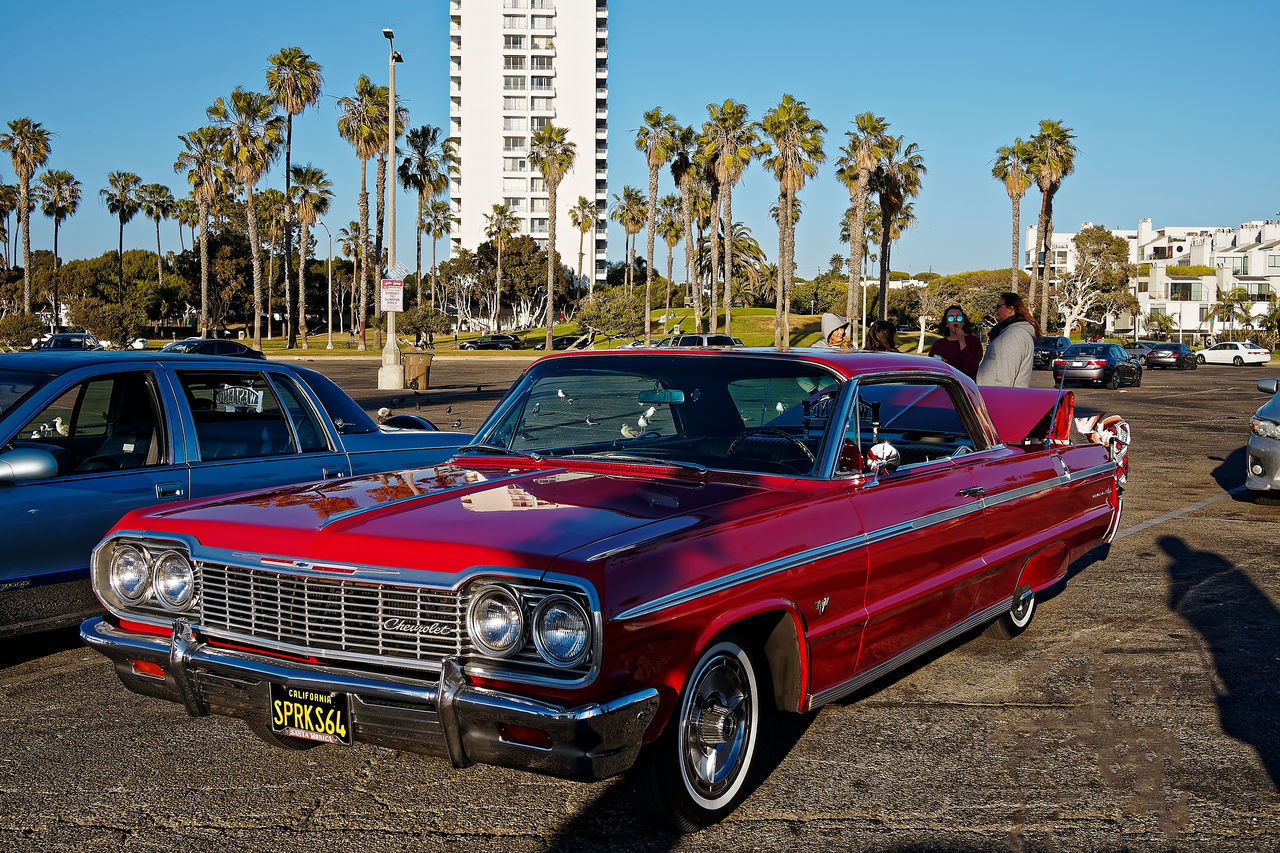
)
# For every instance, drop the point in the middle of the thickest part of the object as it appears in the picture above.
(959, 345)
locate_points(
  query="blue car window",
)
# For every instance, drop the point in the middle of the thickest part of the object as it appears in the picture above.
(237, 415)
(310, 435)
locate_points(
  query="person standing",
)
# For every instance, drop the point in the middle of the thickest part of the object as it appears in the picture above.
(959, 345)
(1010, 345)
(835, 333)
(882, 336)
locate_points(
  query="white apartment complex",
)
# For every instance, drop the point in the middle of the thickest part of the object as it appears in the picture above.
(1247, 256)
(514, 66)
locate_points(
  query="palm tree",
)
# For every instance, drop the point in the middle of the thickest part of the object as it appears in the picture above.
(382, 100)
(897, 179)
(311, 194)
(583, 217)
(670, 227)
(28, 145)
(731, 143)
(59, 193)
(861, 152)
(709, 218)
(359, 126)
(272, 207)
(295, 82)
(499, 225)
(120, 194)
(686, 176)
(187, 215)
(656, 138)
(748, 258)
(795, 153)
(629, 212)
(156, 203)
(8, 203)
(349, 245)
(437, 220)
(1054, 158)
(254, 134)
(202, 161)
(867, 237)
(552, 154)
(1011, 169)
(425, 168)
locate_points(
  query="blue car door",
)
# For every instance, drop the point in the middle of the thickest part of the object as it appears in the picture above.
(115, 450)
(251, 429)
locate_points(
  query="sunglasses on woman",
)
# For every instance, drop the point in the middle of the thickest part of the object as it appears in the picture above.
(955, 318)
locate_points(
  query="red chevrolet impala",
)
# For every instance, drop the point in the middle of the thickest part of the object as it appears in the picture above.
(644, 555)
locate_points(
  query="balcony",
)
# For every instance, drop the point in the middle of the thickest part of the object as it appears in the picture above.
(602, 92)
(602, 173)
(602, 53)
(602, 133)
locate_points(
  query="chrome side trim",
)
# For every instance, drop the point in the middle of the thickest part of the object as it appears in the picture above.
(883, 668)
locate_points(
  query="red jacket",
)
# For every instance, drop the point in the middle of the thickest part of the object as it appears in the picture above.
(965, 360)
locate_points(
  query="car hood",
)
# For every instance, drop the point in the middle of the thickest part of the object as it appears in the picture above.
(450, 517)
(1270, 409)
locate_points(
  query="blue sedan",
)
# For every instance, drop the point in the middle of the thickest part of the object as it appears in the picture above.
(87, 436)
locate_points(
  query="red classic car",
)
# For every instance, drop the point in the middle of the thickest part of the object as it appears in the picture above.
(644, 555)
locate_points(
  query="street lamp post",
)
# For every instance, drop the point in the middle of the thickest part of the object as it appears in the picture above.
(329, 325)
(391, 374)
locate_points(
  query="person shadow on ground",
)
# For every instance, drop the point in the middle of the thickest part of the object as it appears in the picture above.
(1241, 631)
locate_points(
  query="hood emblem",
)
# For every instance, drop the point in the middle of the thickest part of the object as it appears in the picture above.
(821, 604)
(406, 626)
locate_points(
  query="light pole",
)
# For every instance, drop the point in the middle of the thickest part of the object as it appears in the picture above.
(330, 323)
(391, 374)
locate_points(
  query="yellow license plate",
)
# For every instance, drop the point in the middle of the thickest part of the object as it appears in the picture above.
(311, 714)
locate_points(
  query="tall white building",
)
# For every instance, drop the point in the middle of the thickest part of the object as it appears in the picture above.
(516, 65)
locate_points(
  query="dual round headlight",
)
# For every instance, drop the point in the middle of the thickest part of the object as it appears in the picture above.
(170, 578)
(560, 627)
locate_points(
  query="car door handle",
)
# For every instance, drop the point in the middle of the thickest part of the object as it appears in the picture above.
(330, 473)
(169, 490)
(971, 492)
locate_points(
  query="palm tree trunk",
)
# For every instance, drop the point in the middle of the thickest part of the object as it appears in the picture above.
(886, 242)
(255, 250)
(377, 241)
(686, 210)
(790, 276)
(667, 313)
(119, 257)
(1048, 241)
(271, 276)
(363, 311)
(582, 235)
(728, 258)
(417, 232)
(24, 218)
(290, 340)
(551, 260)
(302, 285)
(1037, 271)
(1016, 202)
(497, 293)
(57, 317)
(433, 273)
(780, 283)
(204, 270)
(631, 266)
(159, 267)
(713, 321)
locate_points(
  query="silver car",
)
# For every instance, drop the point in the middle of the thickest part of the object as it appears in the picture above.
(1262, 455)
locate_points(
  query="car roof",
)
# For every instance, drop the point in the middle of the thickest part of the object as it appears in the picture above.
(849, 363)
(60, 361)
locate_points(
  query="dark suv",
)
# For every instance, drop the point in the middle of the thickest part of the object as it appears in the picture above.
(1047, 349)
(494, 341)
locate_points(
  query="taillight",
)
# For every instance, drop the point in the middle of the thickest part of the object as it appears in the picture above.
(1097, 363)
(1059, 362)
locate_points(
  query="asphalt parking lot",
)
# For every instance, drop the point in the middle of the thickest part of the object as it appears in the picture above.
(1140, 711)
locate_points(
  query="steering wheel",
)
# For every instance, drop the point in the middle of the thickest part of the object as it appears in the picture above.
(773, 432)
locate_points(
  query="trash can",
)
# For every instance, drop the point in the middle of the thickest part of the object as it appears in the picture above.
(417, 370)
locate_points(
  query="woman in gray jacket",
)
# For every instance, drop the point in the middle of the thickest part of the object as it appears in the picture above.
(1010, 345)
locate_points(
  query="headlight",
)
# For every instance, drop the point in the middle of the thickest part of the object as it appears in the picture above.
(175, 581)
(496, 622)
(561, 630)
(1264, 428)
(129, 573)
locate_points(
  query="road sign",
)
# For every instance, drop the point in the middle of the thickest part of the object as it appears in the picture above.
(392, 294)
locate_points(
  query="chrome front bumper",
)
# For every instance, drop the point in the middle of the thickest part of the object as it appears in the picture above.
(451, 718)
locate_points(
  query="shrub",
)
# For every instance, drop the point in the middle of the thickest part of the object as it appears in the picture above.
(19, 330)
(1197, 269)
(109, 321)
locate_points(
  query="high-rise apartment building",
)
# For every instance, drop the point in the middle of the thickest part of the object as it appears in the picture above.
(514, 66)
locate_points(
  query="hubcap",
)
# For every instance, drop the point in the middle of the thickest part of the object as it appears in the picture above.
(715, 730)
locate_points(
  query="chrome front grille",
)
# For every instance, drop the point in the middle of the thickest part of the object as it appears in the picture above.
(332, 617)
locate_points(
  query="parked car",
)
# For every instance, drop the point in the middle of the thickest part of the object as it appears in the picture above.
(71, 341)
(1104, 364)
(1234, 352)
(211, 346)
(563, 342)
(1047, 349)
(674, 341)
(644, 556)
(1176, 355)
(86, 437)
(1262, 454)
(1139, 349)
(495, 341)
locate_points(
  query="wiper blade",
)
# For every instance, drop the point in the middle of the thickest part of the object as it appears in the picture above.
(646, 460)
(501, 451)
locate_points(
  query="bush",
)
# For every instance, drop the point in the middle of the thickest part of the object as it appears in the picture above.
(109, 321)
(19, 330)
(1198, 269)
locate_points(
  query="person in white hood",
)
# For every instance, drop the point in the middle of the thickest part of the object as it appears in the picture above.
(835, 332)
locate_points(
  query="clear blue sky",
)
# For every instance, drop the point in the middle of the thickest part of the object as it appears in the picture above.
(1173, 104)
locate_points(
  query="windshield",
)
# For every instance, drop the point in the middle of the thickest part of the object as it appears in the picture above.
(763, 415)
(15, 385)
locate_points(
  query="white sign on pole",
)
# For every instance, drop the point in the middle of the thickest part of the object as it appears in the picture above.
(392, 294)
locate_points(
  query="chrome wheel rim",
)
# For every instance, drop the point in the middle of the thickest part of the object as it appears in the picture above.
(1020, 615)
(715, 726)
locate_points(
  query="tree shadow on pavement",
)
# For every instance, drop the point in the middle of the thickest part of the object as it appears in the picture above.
(1241, 630)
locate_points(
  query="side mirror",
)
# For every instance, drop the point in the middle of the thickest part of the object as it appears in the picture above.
(27, 463)
(1267, 386)
(883, 458)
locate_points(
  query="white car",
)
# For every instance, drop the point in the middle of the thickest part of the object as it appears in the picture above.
(1234, 352)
